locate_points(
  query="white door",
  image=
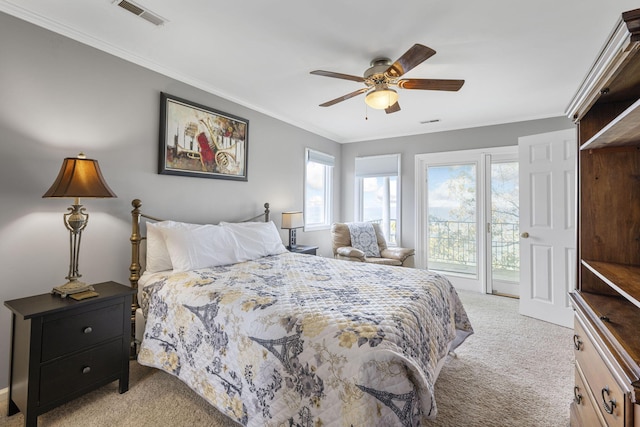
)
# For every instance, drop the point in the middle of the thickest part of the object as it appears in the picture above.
(547, 225)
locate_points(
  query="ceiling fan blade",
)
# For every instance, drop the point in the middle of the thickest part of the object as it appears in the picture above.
(415, 55)
(344, 97)
(431, 84)
(392, 108)
(338, 75)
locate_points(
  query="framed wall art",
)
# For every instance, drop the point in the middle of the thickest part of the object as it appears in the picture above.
(199, 141)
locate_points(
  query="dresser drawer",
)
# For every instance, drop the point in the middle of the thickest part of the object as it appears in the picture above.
(74, 332)
(70, 374)
(588, 415)
(609, 396)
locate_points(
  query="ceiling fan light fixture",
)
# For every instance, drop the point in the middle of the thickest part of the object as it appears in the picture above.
(381, 99)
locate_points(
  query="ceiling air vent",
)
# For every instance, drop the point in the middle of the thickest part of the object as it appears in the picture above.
(141, 12)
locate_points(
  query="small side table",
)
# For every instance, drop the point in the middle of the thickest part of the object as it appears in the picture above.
(62, 348)
(299, 249)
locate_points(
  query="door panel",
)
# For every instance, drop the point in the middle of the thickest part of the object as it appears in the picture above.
(547, 209)
(503, 256)
(452, 219)
(541, 267)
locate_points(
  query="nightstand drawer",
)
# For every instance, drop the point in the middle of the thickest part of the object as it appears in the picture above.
(74, 373)
(71, 333)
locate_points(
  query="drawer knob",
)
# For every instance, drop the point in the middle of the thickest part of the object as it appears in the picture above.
(576, 342)
(86, 369)
(608, 406)
(87, 330)
(577, 397)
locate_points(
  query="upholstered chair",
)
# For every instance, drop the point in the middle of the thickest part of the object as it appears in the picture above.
(343, 248)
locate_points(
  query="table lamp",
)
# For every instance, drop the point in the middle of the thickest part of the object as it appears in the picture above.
(78, 177)
(292, 221)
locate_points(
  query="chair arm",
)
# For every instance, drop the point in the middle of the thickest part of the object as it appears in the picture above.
(397, 253)
(351, 252)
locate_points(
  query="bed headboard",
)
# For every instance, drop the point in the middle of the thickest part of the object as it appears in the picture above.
(137, 238)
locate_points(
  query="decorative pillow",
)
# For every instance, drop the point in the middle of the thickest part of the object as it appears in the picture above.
(255, 239)
(200, 246)
(363, 237)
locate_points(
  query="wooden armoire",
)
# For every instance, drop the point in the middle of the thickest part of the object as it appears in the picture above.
(606, 301)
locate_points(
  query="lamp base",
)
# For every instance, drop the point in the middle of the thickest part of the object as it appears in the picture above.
(71, 287)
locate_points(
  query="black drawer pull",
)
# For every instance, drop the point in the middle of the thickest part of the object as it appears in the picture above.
(577, 397)
(605, 319)
(87, 330)
(611, 405)
(576, 342)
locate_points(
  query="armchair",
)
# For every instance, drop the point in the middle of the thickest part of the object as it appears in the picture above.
(343, 249)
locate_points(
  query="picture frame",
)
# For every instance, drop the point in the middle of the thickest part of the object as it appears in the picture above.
(200, 141)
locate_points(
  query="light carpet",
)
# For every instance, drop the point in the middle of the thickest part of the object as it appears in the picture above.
(514, 371)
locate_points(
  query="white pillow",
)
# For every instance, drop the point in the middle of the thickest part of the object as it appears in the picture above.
(255, 239)
(201, 246)
(158, 258)
(157, 255)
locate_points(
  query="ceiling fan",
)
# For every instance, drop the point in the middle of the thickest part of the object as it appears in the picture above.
(382, 75)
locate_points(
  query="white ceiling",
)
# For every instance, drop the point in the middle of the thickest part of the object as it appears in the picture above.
(521, 60)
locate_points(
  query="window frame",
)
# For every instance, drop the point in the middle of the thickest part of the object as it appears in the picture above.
(328, 162)
(377, 168)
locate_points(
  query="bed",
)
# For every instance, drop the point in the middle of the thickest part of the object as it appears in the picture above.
(278, 338)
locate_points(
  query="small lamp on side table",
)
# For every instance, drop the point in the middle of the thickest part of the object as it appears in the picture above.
(78, 177)
(292, 221)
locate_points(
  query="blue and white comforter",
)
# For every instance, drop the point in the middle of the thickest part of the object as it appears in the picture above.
(301, 340)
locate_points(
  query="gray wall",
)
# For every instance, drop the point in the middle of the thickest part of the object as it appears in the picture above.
(59, 97)
(481, 137)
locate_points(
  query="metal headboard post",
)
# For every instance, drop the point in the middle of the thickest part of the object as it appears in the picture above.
(134, 270)
(265, 215)
(136, 238)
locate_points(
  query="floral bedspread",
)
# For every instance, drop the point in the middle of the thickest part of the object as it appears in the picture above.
(301, 340)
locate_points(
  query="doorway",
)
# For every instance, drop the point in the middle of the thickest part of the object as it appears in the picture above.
(467, 212)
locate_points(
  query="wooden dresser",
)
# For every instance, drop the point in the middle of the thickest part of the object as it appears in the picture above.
(607, 299)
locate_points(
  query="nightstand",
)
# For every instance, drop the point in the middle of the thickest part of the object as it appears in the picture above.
(299, 249)
(62, 348)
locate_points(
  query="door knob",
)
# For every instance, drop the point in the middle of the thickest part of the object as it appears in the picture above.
(525, 235)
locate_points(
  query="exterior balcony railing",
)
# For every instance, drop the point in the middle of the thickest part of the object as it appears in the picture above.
(453, 247)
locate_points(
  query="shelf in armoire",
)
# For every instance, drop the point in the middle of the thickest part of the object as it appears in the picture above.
(623, 130)
(625, 279)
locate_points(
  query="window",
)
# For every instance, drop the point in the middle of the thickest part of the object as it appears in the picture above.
(378, 190)
(318, 190)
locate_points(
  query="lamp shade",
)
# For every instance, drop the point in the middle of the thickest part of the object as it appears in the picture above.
(79, 177)
(292, 220)
(381, 98)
